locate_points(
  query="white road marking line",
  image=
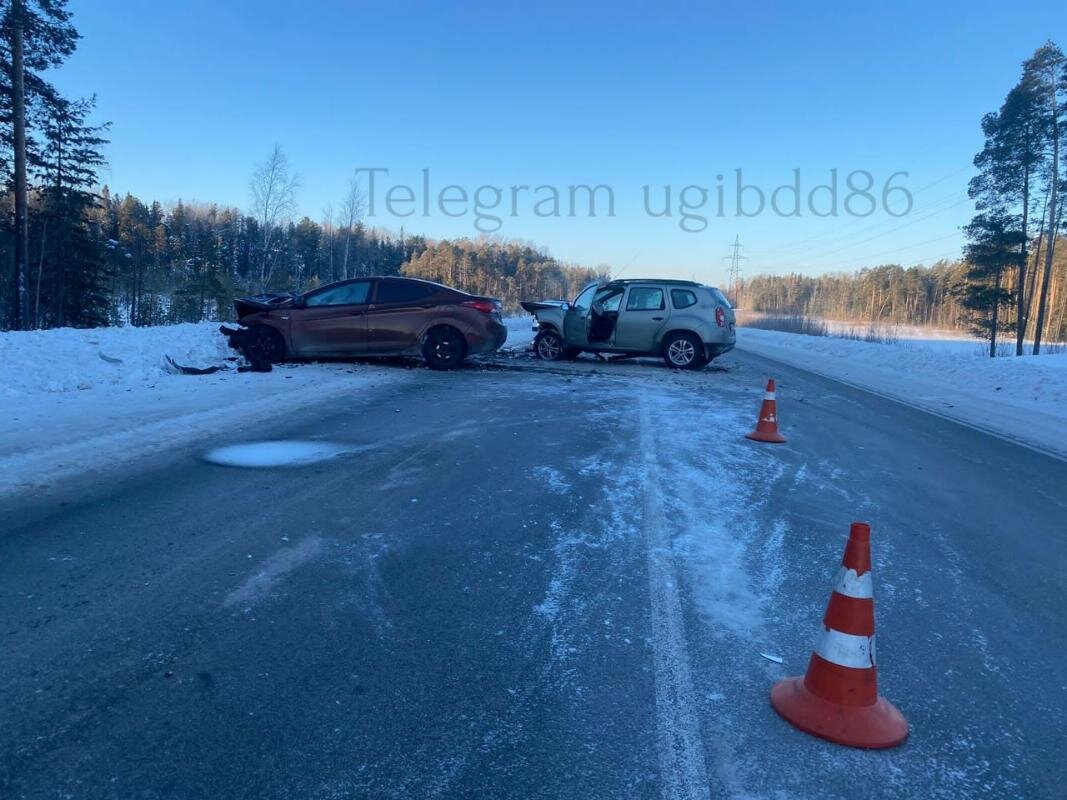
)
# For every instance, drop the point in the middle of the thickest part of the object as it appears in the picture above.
(681, 748)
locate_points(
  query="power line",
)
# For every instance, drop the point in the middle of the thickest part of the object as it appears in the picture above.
(894, 251)
(933, 208)
(848, 245)
(836, 230)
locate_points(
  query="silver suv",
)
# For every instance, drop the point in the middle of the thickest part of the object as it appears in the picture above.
(687, 323)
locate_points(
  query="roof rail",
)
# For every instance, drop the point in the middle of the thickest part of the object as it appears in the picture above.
(668, 281)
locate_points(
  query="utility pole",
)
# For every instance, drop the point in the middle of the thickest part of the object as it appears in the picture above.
(734, 281)
(20, 308)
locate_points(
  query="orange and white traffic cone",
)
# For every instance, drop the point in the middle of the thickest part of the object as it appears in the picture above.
(767, 424)
(838, 697)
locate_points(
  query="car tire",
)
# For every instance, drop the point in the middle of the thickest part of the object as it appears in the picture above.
(263, 345)
(683, 351)
(548, 345)
(444, 347)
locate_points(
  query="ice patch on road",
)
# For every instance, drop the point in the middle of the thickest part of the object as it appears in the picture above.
(716, 483)
(553, 479)
(260, 455)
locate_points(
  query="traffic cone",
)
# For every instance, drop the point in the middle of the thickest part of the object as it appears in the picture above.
(767, 424)
(838, 697)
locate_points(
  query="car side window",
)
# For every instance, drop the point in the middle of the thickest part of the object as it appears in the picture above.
(585, 299)
(401, 291)
(348, 294)
(645, 298)
(608, 300)
(683, 298)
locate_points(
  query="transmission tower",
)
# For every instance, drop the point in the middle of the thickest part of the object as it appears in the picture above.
(734, 280)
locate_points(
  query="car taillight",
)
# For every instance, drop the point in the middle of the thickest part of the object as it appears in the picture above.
(720, 317)
(485, 306)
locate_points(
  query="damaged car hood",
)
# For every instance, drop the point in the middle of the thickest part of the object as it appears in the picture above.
(543, 305)
(262, 302)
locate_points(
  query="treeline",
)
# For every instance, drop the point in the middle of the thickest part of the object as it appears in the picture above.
(1011, 282)
(154, 265)
(931, 296)
(885, 294)
(511, 271)
(188, 263)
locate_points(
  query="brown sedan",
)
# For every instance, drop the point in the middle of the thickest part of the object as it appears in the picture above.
(371, 317)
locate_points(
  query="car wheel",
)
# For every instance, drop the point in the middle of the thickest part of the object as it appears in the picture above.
(683, 351)
(549, 346)
(263, 345)
(444, 347)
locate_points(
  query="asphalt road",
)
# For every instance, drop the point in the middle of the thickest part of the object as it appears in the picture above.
(527, 583)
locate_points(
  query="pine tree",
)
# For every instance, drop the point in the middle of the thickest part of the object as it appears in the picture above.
(1048, 70)
(72, 284)
(1015, 138)
(36, 35)
(994, 245)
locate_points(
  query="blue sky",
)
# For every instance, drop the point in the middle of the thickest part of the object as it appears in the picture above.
(620, 94)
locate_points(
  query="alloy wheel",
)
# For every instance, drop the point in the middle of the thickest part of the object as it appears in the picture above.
(681, 352)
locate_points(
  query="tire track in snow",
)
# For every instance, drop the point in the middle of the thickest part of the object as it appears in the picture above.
(681, 748)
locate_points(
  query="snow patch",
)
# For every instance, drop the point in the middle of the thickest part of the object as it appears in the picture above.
(274, 454)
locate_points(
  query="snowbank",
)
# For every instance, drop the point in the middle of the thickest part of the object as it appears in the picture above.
(76, 400)
(1023, 399)
(69, 359)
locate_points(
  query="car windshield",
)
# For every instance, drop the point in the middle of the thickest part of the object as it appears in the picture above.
(585, 299)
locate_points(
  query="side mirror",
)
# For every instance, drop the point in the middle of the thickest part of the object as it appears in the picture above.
(566, 306)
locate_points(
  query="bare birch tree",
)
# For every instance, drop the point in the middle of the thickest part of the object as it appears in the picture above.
(352, 207)
(273, 188)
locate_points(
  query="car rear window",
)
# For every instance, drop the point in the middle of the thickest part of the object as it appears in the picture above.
(400, 291)
(719, 297)
(683, 298)
(645, 298)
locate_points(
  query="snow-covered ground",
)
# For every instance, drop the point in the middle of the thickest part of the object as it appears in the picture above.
(1023, 399)
(72, 400)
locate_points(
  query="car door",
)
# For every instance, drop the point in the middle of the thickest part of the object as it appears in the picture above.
(332, 321)
(402, 310)
(643, 315)
(576, 320)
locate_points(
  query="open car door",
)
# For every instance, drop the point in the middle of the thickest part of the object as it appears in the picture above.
(576, 320)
